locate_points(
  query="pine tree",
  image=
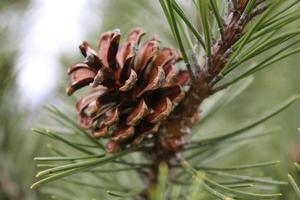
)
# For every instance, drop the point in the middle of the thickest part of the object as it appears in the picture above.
(176, 161)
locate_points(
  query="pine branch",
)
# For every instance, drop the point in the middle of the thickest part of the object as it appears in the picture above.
(161, 166)
(238, 34)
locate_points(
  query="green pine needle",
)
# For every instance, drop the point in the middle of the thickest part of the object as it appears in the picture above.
(68, 158)
(248, 178)
(241, 167)
(260, 120)
(218, 17)
(68, 169)
(57, 137)
(122, 195)
(187, 21)
(294, 185)
(204, 19)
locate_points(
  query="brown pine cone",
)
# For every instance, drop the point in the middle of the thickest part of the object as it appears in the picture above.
(134, 88)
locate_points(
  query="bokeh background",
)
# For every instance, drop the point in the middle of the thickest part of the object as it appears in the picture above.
(40, 38)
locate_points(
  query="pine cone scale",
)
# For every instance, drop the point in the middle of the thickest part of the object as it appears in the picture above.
(146, 54)
(80, 77)
(137, 114)
(161, 110)
(122, 133)
(145, 130)
(130, 82)
(156, 77)
(108, 47)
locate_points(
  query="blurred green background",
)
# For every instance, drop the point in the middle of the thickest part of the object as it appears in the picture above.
(45, 35)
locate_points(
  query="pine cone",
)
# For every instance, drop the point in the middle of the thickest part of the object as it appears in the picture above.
(134, 88)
